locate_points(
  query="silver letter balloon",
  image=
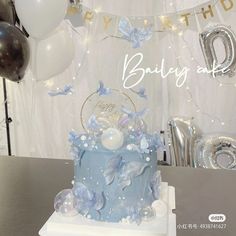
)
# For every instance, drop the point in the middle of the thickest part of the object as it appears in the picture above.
(215, 152)
(228, 38)
(183, 134)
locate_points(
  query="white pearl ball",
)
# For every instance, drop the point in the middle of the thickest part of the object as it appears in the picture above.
(112, 139)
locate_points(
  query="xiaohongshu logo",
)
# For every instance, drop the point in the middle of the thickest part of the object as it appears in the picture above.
(217, 218)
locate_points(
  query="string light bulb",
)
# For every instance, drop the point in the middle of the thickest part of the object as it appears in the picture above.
(174, 28)
(182, 21)
(98, 9)
(87, 39)
(49, 83)
(180, 33)
(145, 22)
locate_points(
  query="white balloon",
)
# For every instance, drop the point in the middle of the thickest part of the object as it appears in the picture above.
(52, 55)
(40, 17)
(112, 139)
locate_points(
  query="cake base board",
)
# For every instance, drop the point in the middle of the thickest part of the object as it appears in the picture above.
(161, 225)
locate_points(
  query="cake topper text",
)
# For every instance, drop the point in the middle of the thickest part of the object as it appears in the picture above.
(105, 107)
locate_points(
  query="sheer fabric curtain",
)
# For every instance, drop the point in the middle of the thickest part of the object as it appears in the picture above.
(210, 101)
(3, 138)
(41, 123)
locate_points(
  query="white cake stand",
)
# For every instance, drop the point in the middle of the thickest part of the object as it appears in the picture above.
(164, 224)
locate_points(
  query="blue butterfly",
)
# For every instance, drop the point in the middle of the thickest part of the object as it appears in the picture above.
(129, 171)
(142, 93)
(154, 185)
(143, 147)
(134, 35)
(156, 141)
(76, 151)
(133, 115)
(125, 171)
(93, 124)
(113, 167)
(88, 200)
(103, 91)
(68, 89)
(73, 137)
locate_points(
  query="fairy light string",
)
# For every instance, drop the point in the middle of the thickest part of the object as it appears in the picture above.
(97, 10)
(177, 29)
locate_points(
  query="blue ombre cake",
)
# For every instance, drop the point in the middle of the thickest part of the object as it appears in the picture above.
(116, 177)
(115, 186)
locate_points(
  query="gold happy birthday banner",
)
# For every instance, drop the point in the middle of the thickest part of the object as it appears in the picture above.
(213, 10)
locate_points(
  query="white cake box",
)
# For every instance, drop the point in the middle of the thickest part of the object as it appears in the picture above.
(164, 223)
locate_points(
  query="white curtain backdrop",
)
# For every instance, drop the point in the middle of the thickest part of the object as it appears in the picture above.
(41, 123)
(3, 139)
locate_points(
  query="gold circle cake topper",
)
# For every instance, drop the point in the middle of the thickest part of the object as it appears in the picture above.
(107, 108)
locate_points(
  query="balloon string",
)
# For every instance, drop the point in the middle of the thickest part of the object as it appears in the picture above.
(80, 64)
(3, 121)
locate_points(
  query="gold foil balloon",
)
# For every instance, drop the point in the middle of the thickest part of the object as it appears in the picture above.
(183, 134)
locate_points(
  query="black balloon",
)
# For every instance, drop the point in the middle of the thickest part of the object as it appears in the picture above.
(14, 52)
(7, 11)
